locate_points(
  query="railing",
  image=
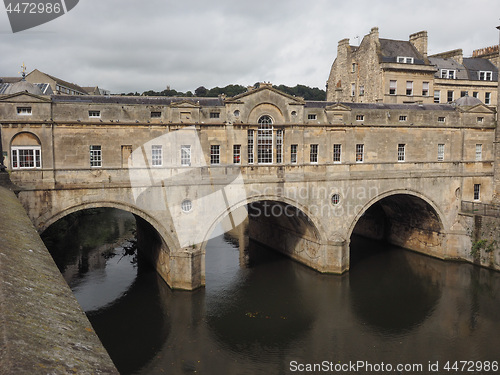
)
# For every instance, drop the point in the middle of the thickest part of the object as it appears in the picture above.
(478, 208)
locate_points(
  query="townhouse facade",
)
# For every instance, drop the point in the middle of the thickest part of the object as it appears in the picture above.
(397, 72)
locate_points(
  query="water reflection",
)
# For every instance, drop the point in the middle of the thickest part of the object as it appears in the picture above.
(394, 292)
(267, 311)
(260, 311)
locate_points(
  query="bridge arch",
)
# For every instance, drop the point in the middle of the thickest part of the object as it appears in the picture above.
(315, 222)
(169, 242)
(288, 227)
(405, 218)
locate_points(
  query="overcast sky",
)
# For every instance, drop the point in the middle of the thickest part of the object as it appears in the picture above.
(132, 45)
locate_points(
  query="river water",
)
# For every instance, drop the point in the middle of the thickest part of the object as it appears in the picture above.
(262, 313)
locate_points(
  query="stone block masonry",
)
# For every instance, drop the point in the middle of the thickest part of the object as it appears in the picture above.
(43, 330)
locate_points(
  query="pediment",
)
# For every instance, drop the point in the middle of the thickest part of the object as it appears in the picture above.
(479, 108)
(338, 107)
(266, 93)
(24, 97)
(185, 104)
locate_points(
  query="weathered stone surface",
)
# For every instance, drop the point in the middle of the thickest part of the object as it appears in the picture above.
(42, 328)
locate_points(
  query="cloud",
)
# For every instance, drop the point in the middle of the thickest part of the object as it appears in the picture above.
(131, 45)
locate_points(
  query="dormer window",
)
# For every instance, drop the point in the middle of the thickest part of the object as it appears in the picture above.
(485, 75)
(405, 60)
(448, 73)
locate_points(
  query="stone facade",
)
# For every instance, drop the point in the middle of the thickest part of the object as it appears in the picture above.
(394, 71)
(318, 169)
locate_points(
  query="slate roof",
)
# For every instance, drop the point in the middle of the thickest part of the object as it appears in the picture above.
(131, 100)
(391, 49)
(386, 106)
(475, 65)
(450, 64)
(69, 85)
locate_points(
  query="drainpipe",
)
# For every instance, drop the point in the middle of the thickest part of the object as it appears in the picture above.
(2, 166)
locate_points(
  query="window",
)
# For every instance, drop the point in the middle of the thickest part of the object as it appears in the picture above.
(441, 152)
(360, 148)
(441, 119)
(360, 117)
(480, 120)
(279, 146)
(95, 156)
(479, 152)
(156, 155)
(94, 114)
(353, 67)
(464, 93)
(403, 118)
(361, 90)
(311, 116)
(405, 60)
(477, 192)
(293, 154)
(409, 88)
(236, 154)
(450, 96)
(250, 146)
(485, 75)
(186, 205)
(155, 114)
(236, 113)
(25, 157)
(353, 89)
(313, 155)
(437, 96)
(335, 199)
(214, 154)
(448, 73)
(186, 155)
(401, 152)
(265, 140)
(393, 87)
(475, 94)
(425, 89)
(487, 98)
(24, 111)
(214, 115)
(337, 153)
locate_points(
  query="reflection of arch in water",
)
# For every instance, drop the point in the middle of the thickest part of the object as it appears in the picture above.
(267, 312)
(395, 291)
(133, 326)
(136, 318)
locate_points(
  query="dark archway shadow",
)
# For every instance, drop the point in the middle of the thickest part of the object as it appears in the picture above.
(389, 291)
(81, 244)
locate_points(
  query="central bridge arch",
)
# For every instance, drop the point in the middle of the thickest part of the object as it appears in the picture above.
(278, 222)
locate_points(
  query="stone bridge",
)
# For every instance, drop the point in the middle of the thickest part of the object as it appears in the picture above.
(296, 210)
(307, 175)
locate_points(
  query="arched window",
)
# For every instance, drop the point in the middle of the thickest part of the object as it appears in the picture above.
(26, 151)
(265, 140)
